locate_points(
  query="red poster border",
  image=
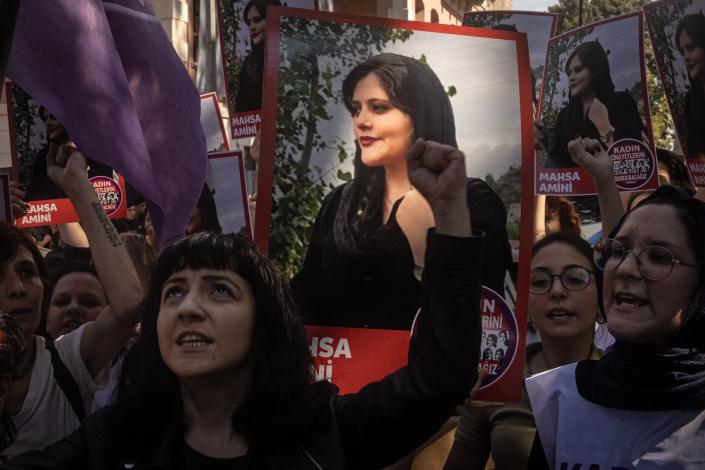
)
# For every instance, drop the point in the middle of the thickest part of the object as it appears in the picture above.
(214, 97)
(243, 188)
(584, 175)
(269, 109)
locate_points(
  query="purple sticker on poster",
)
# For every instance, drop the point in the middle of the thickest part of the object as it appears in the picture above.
(498, 346)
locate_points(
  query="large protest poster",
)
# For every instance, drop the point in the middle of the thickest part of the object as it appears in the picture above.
(594, 86)
(225, 179)
(243, 25)
(315, 161)
(539, 27)
(677, 30)
(32, 127)
(212, 123)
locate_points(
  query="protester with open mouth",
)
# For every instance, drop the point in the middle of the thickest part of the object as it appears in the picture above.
(367, 247)
(594, 108)
(221, 375)
(648, 392)
(690, 41)
(564, 305)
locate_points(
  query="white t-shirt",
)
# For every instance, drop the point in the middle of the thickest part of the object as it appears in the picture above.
(46, 415)
(578, 434)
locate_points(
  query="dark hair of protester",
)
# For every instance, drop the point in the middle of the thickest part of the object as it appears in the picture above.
(559, 207)
(280, 404)
(674, 164)
(11, 240)
(69, 267)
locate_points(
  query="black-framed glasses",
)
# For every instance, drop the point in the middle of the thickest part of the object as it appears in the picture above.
(654, 262)
(573, 278)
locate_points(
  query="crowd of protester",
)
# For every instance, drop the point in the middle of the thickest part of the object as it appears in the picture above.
(113, 355)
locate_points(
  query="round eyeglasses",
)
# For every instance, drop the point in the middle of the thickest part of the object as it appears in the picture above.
(574, 278)
(654, 262)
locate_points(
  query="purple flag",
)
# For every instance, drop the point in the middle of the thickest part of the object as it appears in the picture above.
(108, 72)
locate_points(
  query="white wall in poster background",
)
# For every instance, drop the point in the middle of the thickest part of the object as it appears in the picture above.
(485, 75)
(224, 176)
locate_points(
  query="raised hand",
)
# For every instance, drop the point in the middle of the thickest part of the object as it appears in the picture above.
(589, 154)
(66, 166)
(599, 115)
(437, 171)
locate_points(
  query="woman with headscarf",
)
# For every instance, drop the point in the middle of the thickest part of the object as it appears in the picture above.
(251, 79)
(690, 41)
(594, 110)
(642, 405)
(367, 245)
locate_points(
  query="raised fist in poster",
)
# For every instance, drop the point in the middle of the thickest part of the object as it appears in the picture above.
(437, 171)
(589, 154)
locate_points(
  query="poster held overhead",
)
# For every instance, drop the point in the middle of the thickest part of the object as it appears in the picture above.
(32, 128)
(677, 31)
(243, 25)
(337, 116)
(225, 179)
(594, 86)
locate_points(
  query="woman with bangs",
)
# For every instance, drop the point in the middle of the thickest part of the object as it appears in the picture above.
(221, 376)
(367, 247)
(648, 393)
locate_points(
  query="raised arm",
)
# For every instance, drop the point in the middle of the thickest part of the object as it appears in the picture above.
(388, 419)
(589, 154)
(102, 339)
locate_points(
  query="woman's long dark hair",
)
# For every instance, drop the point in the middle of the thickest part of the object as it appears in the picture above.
(694, 25)
(282, 404)
(413, 88)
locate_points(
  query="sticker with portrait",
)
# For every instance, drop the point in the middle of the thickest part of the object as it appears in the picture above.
(594, 86)
(539, 27)
(32, 128)
(677, 30)
(225, 184)
(5, 201)
(212, 123)
(339, 118)
(243, 27)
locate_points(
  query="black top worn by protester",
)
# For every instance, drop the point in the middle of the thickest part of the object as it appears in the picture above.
(375, 286)
(373, 428)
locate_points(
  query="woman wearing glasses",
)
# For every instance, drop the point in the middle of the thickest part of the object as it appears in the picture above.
(563, 306)
(643, 404)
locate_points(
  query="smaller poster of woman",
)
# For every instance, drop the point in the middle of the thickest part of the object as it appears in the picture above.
(212, 123)
(225, 179)
(33, 128)
(594, 86)
(243, 26)
(539, 27)
(677, 30)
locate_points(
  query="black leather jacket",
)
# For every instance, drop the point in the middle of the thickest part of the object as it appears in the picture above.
(372, 428)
